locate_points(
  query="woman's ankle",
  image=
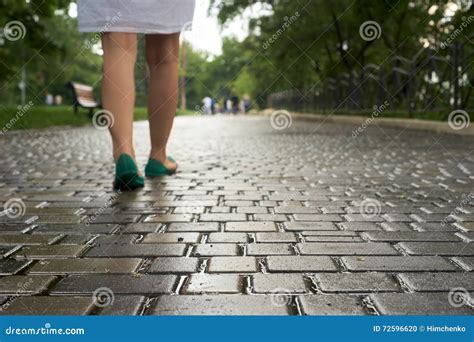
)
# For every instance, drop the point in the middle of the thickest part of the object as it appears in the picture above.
(159, 155)
(117, 152)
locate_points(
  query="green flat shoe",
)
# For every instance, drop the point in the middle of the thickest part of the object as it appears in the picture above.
(156, 169)
(126, 174)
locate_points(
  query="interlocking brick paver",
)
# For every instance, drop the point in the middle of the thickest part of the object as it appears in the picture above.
(438, 248)
(300, 226)
(342, 248)
(356, 282)
(174, 265)
(289, 263)
(85, 266)
(216, 305)
(279, 282)
(429, 281)
(228, 237)
(124, 306)
(137, 250)
(21, 285)
(212, 249)
(232, 264)
(322, 304)
(235, 230)
(141, 284)
(172, 238)
(250, 227)
(49, 306)
(417, 304)
(214, 283)
(50, 251)
(397, 263)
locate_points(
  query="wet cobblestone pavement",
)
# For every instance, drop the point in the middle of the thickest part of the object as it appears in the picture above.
(308, 220)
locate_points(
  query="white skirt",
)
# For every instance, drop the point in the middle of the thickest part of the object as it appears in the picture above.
(140, 16)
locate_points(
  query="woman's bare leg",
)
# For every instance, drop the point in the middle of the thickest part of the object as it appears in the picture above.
(118, 88)
(162, 54)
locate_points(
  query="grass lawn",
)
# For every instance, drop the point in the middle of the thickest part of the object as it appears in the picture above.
(11, 118)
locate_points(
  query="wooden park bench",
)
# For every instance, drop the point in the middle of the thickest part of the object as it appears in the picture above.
(83, 97)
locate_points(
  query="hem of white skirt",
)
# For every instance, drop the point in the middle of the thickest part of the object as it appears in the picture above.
(133, 29)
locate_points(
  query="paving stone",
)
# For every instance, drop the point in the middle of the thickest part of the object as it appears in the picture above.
(76, 239)
(356, 282)
(232, 265)
(50, 251)
(417, 304)
(322, 304)
(137, 250)
(165, 218)
(279, 282)
(411, 236)
(317, 238)
(467, 262)
(288, 263)
(300, 226)
(140, 284)
(27, 239)
(318, 217)
(194, 227)
(342, 248)
(76, 229)
(202, 305)
(433, 227)
(9, 266)
(270, 217)
(174, 265)
(438, 248)
(269, 249)
(172, 238)
(228, 237)
(222, 217)
(49, 306)
(86, 266)
(6, 250)
(17, 285)
(250, 226)
(252, 210)
(397, 263)
(276, 237)
(214, 283)
(121, 239)
(124, 306)
(359, 226)
(141, 228)
(431, 281)
(396, 226)
(212, 249)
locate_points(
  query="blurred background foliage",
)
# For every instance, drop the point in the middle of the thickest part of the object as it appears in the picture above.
(322, 41)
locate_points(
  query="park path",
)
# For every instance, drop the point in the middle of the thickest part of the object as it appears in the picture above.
(309, 219)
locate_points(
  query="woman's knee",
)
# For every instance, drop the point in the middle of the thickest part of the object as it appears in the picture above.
(162, 50)
(126, 42)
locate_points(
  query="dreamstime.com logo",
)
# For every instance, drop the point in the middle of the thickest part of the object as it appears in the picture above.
(103, 296)
(459, 296)
(14, 30)
(280, 297)
(370, 208)
(281, 119)
(46, 330)
(459, 119)
(103, 119)
(14, 208)
(370, 30)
